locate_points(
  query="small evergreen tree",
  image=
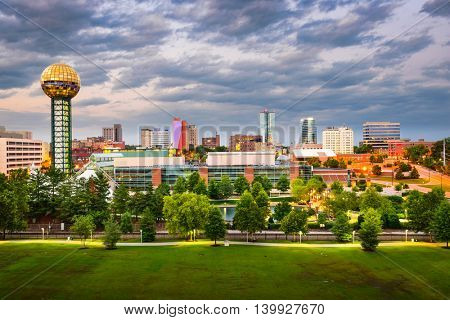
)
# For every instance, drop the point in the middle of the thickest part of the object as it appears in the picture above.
(148, 226)
(336, 187)
(83, 226)
(126, 224)
(376, 170)
(248, 215)
(215, 227)
(120, 201)
(414, 174)
(370, 228)
(342, 228)
(112, 234)
(256, 189)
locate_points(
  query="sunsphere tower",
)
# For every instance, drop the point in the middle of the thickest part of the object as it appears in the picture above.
(61, 83)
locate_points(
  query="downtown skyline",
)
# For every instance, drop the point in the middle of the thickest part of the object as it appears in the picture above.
(223, 69)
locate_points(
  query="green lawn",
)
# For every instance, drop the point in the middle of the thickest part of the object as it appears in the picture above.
(408, 181)
(431, 186)
(199, 271)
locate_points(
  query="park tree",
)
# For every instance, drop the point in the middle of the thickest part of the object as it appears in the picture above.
(139, 201)
(56, 178)
(341, 203)
(240, 185)
(256, 189)
(226, 187)
(376, 170)
(414, 174)
(158, 201)
(192, 180)
(415, 153)
(331, 163)
(83, 226)
(120, 200)
(99, 191)
(441, 223)
(201, 188)
(294, 222)
(266, 184)
(422, 207)
(263, 201)
(283, 183)
(180, 186)
(399, 174)
(336, 187)
(99, 218)
(316, 184)
(11, 216)
(214, 190)
(148, 226)
(112, 234)
(342, 228)
(215, 227)
(248, 216)
(370, 229)
(126, 223)
(39, 194)
(186, 213)
(370, 199)
(321, 218)
(299, 190)
(281, 210)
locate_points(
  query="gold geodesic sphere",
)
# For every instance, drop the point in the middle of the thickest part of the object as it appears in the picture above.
(60, 80)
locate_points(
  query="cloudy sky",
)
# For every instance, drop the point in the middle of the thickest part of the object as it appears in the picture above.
(219, 63)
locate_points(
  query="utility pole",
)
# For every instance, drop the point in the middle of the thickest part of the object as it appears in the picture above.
(443, 151)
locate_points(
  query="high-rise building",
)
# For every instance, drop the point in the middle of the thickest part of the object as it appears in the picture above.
(378, 134)
(155, 138)
(19, 154)
(340, 140)
(239, 142)
(15, 134)
(266, 125)
(179, 134)
(211, 142)
(192, 136)
(309, 131)
(113, 133)
(61, 83)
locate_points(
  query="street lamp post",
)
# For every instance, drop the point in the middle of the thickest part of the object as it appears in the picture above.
(43, 233)
(300, 234)
(406, 235)
(141, 234)
(353, 236)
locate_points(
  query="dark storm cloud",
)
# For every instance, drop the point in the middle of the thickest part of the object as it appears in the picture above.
(236, 18)
(351, 30)
(432, 5)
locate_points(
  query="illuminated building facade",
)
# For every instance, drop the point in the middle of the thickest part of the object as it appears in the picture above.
(266, 125)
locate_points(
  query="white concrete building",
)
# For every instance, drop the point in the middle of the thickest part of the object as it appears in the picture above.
(256, 158)
(155, 138)
(340, 140)
(19, 154)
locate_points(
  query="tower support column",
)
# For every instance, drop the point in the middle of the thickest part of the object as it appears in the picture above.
(62, 134)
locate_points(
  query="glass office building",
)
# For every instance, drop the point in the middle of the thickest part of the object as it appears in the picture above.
(378, 134)
(266, 125)
(308, 131)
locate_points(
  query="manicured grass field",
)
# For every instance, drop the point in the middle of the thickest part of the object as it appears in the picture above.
(199, 271)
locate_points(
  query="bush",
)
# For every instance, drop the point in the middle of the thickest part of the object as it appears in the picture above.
(379, 188)
(399, 187)
(112, 234)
